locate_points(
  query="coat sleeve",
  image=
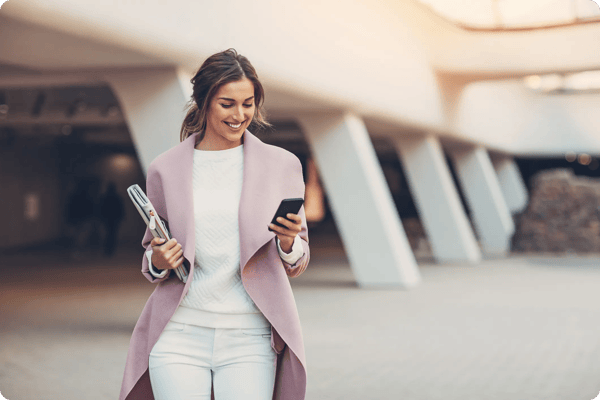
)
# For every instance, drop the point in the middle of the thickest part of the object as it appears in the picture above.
(154, 191)
(294, 270)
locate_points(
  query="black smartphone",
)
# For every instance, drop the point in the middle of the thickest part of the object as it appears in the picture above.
(287, 206)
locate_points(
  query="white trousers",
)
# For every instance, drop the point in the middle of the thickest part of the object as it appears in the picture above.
(187, 359)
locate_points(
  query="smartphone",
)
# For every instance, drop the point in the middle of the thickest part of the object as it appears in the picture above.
(287, 206)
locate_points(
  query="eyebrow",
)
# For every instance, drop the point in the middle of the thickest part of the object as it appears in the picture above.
(228, 99)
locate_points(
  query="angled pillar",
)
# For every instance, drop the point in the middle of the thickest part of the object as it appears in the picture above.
(511, 183)
(153, 101)
(489, 211)
(361, 202)
(437, 199)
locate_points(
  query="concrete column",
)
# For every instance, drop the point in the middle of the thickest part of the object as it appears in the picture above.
(437, 199)
(511, 183)
(489, 211)
(362, 205)
(153, 101)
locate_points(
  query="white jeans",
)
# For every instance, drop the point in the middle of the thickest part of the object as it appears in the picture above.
(187, 359)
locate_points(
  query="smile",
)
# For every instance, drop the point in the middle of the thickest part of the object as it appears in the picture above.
(234, 126)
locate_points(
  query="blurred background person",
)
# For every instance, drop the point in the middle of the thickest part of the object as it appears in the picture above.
(80, 213)
(112, 213)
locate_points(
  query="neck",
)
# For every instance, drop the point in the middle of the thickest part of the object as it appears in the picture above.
(212, 143)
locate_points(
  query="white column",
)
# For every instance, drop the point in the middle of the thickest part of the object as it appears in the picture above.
(489, 211)
(437, 199)
(153, 101)
(511, 183)
(362, 205)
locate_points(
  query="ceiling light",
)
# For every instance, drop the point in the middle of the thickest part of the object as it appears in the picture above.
(570, 156)
(585, 159)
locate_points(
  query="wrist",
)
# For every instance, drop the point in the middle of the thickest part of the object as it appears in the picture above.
(154, 271)
(286, 245)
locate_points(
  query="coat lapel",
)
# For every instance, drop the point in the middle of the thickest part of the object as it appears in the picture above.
(178, 194)
(258, 200)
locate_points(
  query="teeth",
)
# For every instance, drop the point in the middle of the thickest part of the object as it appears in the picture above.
(234, 126)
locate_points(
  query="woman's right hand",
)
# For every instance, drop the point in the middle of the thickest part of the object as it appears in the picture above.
(167, 255)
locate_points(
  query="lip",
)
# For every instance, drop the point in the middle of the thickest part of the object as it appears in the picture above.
(235, 129)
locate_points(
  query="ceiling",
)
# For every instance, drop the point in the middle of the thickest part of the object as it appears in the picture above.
(514, 14)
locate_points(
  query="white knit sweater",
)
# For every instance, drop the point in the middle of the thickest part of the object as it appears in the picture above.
(216, 297)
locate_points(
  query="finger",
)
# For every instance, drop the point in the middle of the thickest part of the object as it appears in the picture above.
(164, 246)
(158, 249)
(274, 228)
(178, 263)
(284, 232)
(170, 254)
(292, 226)
(280, 234)
(278, 229)
(294, 217)
(169, 245)
(157, 241)
(297, 220)
(176, 256)
(287, 223)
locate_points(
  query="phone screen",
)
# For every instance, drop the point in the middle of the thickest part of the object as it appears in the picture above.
(286, 206)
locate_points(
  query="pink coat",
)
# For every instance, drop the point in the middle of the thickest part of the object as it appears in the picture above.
(270, 175)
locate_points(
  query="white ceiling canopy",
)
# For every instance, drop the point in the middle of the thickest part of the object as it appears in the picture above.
(514, 14)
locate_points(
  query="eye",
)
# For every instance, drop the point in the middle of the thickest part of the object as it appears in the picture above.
(248, 105)
(226, 105)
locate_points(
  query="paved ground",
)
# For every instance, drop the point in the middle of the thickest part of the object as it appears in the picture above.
(523, 328)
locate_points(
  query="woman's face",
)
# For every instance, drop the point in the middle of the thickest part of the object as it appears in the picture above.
(230, 112)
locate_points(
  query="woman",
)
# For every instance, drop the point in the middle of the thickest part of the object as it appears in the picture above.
(233, 327)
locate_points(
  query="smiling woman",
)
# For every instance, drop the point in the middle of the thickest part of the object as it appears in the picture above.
(225, 81)
(230, 112)
(233, 328)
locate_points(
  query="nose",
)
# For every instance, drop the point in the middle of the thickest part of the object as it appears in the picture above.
(238, 113)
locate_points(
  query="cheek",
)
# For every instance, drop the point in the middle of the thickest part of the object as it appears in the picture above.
(212, 114)
(217, 117)
(220, 114)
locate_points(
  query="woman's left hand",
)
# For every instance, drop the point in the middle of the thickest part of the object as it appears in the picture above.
(288, 234)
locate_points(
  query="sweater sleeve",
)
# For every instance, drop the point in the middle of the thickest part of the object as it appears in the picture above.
(154, 189)
(295, 254)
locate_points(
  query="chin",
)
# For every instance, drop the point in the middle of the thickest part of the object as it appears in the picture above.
(234, 137)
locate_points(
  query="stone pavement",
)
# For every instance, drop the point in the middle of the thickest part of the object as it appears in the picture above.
(522, 328)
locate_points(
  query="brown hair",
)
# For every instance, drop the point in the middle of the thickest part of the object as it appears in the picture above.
(219, 69)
